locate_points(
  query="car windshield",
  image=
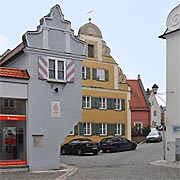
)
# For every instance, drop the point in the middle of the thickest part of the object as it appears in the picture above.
(153, 133)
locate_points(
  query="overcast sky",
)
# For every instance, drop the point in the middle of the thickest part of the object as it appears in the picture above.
(129, 27)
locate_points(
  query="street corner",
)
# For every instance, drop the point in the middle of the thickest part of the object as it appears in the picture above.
(165, 163)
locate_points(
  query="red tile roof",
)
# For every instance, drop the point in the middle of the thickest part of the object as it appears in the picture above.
(138, 100)
(14, 73)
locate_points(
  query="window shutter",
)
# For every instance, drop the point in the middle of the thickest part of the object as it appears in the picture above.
(94, 127)
(70, 75)
(106, 75)
(123, 129)
(76, 129)
(113, 127)
(110, 103)
(42, 68)
(88, 72)
(94, 73)
(97, 103)
(108, 129)
(122, 104)
(81, 125)
(83, 102)
(93, 102)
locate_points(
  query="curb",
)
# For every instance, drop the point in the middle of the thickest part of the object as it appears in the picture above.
(165, 163)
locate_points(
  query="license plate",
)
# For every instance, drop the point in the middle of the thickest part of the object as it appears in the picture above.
(94, 148)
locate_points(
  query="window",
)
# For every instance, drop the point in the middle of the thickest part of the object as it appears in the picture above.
(102, 103)
(57, 70)
(155, 113)
(100, 74)
(138, 126)
(91, 50)
(103, 129)
(87, 128)
(85, 72)
(118, 129)
(9, 103)
(86, 102)
(118, 104)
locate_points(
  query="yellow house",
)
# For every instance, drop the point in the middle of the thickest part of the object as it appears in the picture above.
(105, 93)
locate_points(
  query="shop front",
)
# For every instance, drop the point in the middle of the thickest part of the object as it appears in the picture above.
(13, 151)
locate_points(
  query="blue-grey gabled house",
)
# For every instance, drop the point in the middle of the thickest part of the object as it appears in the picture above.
(52, 56)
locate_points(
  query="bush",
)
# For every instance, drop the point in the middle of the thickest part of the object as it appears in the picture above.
(135, 132)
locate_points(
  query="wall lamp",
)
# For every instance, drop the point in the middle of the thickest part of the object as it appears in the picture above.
(155, 89)
(56, 89)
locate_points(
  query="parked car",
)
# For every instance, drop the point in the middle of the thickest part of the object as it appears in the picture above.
(80, 147)
(154, 136)
(116, 144)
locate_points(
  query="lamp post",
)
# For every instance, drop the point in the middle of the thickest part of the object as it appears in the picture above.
(155, 89)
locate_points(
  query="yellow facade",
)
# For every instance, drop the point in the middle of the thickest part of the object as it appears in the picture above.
(105, 93)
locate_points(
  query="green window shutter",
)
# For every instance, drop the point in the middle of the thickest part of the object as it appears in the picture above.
(83, 102)
(93, 102)
(97, 103)
(110, 103)
(108, 129)
(81, 125)
(76, 129)
(95, 128)
(88, 72)
(106, 75)
(122, 104)
(113, 126)
(123, 129)
(94, 73)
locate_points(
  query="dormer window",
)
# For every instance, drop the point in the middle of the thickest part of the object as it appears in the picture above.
(91, 50)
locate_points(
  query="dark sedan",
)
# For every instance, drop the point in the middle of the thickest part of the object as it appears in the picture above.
(116, 144)
(80, 147)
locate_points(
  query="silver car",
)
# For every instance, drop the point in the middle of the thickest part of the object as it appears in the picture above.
(154, 136)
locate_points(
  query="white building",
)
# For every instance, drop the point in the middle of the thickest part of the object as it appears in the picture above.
(172, 36)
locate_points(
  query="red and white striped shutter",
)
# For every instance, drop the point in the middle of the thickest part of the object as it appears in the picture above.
(42, 68)
(70, 76)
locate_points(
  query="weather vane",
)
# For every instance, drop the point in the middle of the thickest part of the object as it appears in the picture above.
(89, 12)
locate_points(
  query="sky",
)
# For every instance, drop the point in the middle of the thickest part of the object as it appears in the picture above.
(131, 28)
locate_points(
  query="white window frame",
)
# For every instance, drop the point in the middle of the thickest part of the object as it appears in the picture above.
(56, 69)
(102, 103)
(84, 75)
(87, 129)
(118, 105)
(103, 129)
(87, 102)
(100, 74)
(118, 129)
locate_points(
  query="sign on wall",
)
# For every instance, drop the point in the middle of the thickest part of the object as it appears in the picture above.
(55, 109)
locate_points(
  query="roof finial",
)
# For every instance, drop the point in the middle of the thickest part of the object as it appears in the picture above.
(90, 17)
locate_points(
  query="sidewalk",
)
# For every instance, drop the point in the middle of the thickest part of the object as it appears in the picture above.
(165, 163)
(60, 174)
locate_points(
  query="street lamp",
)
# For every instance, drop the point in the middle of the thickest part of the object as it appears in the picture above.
(155, 88)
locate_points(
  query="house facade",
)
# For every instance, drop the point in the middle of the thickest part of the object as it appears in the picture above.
(105, 93)
(155, 110)
(139, 105)
(40, 108)
(172, 36)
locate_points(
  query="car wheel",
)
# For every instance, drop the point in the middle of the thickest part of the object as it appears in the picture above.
(104, 151)
(79, 152)
(133, 147)
(95, 153)
(63, 151)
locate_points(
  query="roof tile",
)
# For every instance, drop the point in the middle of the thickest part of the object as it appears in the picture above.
(14, 73)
